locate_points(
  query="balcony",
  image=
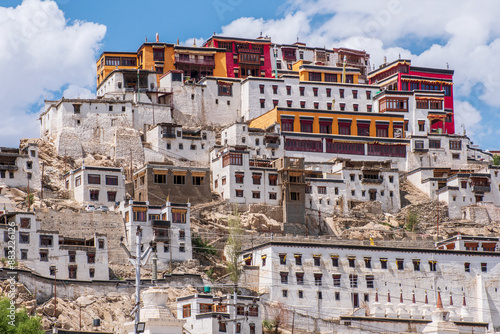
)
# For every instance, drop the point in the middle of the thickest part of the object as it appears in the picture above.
(194, 61)
(248, 57)
(168, 135)
(273, 145)
(482, 189)
(370, 180)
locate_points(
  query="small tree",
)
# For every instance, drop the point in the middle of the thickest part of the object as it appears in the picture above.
(411, 221)
(233, 247)
(279, 317)
(496, 159)
(22, 323)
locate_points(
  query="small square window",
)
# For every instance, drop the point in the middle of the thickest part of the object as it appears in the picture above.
(285, 293)
(301, 294)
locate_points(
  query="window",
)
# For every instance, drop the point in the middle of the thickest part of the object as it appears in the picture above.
(46, 241)
(314, 76)
(336, 280)
(24, 238)
(198, 180)
(256, 177)
(225, 89)
(298, 259)
(467, 267)
(325, 126)
(160, 178)
(11, 175)
(94, 195)
(182, 248)
(186, 311)
(282, 258)
(344, 128)
(416, 265)
(286, 124)
(352, 261)
(341, 93)
(421, 125)
(111, 180)
(262, 103)
(24, 254)
(337, 295)
(368, 262)
(301, 90)
(300, 278)
(368, 108)
(353, 280)
(239, 193)
(301, 294)
(320, 295)
(354, 94)
(355, 107)
(273, 179)
(330, 78)
(329, 106)
(179, 179)
(363, 129)
(302, 104)
(25, 222)
(432, 265)
(44, 255)
(370, 281)
(239, 177)
(318, 279)
(288, 90)
(317, 260)
(316, 105)
(335, 260)
(455, 156)
(261, 89)
(72, 269)
(90, 257)
(94, 179)
(400, 264)
(455, 145)
(284, 293)
(321, 190)
(382, 130)
(29, 165)
(368, 95)
(284, 278)
(484, 267)
(294, 196)
(383, 263)
(255, 194)
(273, 196)
(275, 89)
(72, 256)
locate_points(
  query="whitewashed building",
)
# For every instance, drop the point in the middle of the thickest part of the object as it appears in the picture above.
(167, 226)
(208, 314)
(239, 178)
(19, 167)
(184, 146)
(52, 255)
(336, 187)
(96, 185)
(323, 282)
(459, 188)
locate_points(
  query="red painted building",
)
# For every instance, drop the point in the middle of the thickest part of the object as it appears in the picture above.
(244, 57)
(401, 76)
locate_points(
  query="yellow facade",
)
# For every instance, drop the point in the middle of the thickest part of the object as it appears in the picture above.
(145, 60)
(109, 61)
(305, 73)
(274, 116)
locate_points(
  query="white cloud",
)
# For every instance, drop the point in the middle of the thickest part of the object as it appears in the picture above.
(191, 41)
(77, 92)
(464, 34)
(469, 117)
(40, 53)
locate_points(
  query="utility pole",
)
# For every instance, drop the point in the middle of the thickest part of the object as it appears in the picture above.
(29, 199)
(293, 319)
(55, 292)
(137, 260)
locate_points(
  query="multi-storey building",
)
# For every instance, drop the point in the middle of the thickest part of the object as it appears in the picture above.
(322, 282)
(96, 185)
(240, 177)
(320, 135)
(52, 255)
(195, 62)
(208, 314)
(336, 187)
(183, 146)
(158, 182)
(244, 57)
(19, 167)
(400, 75)
(167, 226)
(458, 188)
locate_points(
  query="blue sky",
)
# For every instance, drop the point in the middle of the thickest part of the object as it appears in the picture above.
(48, 47)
